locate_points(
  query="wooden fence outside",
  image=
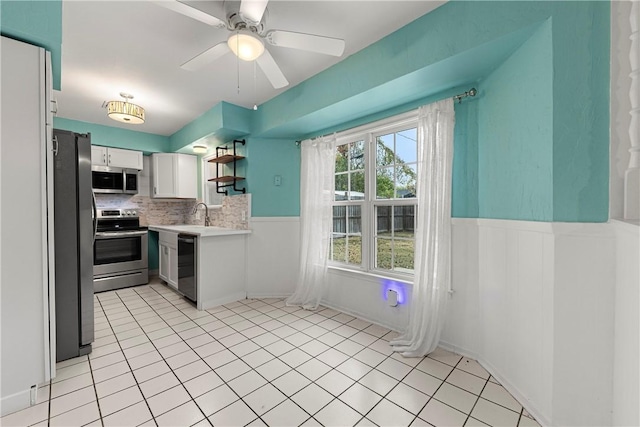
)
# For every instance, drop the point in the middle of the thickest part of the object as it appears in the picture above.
(403, 220)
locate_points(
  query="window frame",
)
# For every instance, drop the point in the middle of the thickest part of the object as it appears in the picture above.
(205, 166)
(369, 133)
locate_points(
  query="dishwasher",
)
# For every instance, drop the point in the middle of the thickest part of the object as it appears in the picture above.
(187, 265)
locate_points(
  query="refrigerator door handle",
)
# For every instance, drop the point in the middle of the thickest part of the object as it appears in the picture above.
(94, 216)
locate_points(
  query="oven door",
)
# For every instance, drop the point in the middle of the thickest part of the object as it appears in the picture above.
(119, 251)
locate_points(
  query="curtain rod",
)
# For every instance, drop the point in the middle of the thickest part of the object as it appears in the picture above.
(471, 92)
(459, 97)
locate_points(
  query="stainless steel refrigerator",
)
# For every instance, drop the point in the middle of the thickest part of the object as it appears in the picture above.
(74, 210)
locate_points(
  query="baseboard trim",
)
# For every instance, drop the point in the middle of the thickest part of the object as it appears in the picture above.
(15, 402)
(205, 305)
(267, 295)
(359, 315)
(515, 392)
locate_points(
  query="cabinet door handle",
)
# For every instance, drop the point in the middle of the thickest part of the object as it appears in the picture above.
(109, 158)
(155, 190)
(54, 107)
(55, 146)
(104, 158)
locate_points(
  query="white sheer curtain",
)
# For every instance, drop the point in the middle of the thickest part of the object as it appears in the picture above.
(433, 239)
(316, 195)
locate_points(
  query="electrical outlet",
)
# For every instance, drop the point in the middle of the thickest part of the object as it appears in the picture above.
(33, 394)
(244, 215)
(277, 180)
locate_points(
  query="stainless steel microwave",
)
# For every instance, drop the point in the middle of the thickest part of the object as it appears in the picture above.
(106, 179)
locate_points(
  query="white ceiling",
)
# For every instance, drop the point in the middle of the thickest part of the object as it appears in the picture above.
(137, 47)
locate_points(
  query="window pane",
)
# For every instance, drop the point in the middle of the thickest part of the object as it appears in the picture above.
(406, 180)
(355, 219)
(338, 247)
(384, 150)
(383, 220)
(346, 241)
(356, 155)
(406, 146)
(355, 250)
(403, 251)
(357, 186)
(384, 183)
(383, 253)
(212, 197)
(341, 186)
(340, 219)
(342, 153)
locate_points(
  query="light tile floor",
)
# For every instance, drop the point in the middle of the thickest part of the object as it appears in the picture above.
(157, 360)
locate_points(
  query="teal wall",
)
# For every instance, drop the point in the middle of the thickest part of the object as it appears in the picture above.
(581, 58)
(116, 137)
(515, 134)
(542, 68)
(533, 146)
(464, 180)
(222, 123)
(38, 23)
(267, 158)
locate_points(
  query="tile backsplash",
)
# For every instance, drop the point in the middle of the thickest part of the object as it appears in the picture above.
(178, 211)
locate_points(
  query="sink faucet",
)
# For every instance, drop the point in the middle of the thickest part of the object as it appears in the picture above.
(206, 215)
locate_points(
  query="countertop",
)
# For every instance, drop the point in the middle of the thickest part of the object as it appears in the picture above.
(198, 230)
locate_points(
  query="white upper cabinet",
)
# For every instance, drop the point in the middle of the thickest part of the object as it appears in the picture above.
(98, 155)
(175, 175)
(116, 157)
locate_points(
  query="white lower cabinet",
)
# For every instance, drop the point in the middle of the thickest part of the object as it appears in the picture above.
(168, 259)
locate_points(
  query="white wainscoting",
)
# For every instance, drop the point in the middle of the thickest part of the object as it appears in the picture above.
(626, 366)
(539, 314)
(550, 309)
(273, 256)
(362, 295)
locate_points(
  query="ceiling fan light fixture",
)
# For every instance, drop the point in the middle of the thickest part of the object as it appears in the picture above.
(245, 45)
(124, 111)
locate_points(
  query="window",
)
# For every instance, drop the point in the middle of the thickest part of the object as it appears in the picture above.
(209, 195)
(374, 208)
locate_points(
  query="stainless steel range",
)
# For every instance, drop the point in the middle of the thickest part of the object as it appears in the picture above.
(119, 251)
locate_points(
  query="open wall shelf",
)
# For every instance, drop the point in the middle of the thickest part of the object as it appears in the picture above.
(225, 181)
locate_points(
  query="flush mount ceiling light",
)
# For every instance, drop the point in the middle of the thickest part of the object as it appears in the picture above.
(246, 45)
(124, 111)
(200, 149)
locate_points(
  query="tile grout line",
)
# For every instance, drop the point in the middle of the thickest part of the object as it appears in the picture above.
(95, 391)
(163, 359)
(182, 308)
(127, 361)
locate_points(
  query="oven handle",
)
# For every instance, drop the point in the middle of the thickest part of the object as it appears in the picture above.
(116, 234)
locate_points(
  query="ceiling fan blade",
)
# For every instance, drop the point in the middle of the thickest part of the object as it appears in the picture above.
(191, 12)
(302, 41)
(252, 10)
(271, 70)
(206, 57)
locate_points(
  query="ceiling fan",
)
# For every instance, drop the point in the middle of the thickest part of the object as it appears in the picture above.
(247, 26)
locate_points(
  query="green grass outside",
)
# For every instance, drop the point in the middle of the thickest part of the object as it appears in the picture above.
(402, 258)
